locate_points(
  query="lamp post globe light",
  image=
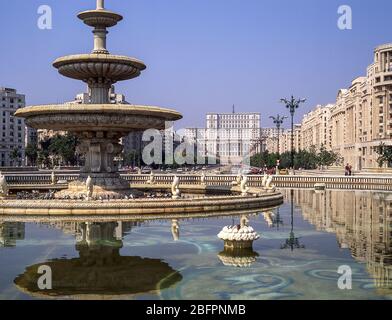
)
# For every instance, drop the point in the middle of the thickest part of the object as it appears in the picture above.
(292, 104)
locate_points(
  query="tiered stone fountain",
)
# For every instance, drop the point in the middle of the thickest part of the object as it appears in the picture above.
(99, 125)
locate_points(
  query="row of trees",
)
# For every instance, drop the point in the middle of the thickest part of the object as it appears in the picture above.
(304, 159)
(54, 151)
(134, 158)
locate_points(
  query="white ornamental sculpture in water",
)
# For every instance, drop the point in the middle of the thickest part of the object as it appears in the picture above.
(3, 186)
(264, 180)
(239, 236)
(203, 179)
(244, 186)
(89, 187)
(269, 186)
(151, 180)
(175, 188)
(237, 181)
(53, 178)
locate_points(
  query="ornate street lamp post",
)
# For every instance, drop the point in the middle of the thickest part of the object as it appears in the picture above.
(278, 121)
(292, 105)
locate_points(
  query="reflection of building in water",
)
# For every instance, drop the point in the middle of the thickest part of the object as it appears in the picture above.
(10, 232)
(362, 222)
(100, 271)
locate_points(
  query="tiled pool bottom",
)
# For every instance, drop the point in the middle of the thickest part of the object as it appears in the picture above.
(294, 259)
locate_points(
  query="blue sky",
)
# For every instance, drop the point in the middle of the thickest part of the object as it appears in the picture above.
(201, 55)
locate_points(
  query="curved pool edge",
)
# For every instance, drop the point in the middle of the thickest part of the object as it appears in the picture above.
(256, 200)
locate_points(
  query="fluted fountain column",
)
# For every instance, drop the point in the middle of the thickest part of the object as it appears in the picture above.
(99, 90)
(100, 4)
(100, 40)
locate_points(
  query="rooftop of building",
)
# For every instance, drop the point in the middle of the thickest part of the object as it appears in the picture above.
(10, 90)
(233, 113)
(383, 47)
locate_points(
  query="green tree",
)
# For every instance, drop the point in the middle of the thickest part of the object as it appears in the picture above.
(264, 159)
(327, 158)
(15, 155)
(43, 159)
(385, 154)
(306, 159)
(131, 158)
(31, 152)
(63, 149)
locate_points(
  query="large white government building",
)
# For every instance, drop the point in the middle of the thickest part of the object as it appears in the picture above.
(229, 137)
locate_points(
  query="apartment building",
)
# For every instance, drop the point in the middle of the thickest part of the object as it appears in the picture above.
(12, 129)
(358, 122)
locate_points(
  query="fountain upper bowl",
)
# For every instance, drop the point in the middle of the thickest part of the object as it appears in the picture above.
(100, 18)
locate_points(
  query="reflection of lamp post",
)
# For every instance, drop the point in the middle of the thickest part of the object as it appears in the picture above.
(292, 105)
(278, 121)
(292, 242)
(277, 221)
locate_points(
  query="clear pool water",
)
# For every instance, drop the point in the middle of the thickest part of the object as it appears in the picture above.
(303, 243)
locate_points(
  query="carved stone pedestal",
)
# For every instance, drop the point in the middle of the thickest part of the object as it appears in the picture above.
(99, 149)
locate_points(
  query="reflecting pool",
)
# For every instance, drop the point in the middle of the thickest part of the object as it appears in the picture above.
(303, 243)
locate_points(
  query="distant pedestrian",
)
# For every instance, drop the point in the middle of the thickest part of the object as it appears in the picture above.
(348, 170)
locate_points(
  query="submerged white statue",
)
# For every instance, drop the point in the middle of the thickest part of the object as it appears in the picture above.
(89, 187)
(244, 186)
(3, 186)
(175, 188)
(175, 229)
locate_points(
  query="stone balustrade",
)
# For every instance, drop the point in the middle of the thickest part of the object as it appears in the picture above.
(332, 182)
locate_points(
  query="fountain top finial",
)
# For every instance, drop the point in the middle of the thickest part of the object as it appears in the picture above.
(100, 4)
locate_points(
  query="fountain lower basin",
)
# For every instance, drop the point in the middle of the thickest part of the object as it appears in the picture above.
(196, 206)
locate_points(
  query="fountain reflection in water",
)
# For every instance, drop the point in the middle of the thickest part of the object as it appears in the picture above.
(360, 221)
(100, 270)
